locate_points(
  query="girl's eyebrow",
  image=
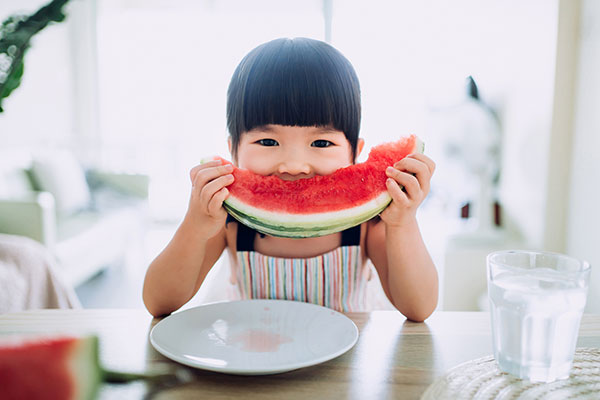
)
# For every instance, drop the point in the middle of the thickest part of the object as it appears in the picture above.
(262, 129)
(325, 129)
(319, 130)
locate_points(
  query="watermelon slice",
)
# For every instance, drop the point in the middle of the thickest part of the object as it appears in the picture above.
(60, 368)
(320, 205)
(52, 368)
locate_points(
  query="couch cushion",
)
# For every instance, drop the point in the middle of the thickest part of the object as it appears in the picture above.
(14, 181)
(89, 241)
(61, 174)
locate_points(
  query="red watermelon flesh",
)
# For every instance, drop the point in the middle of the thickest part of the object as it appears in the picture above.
(51, 368)
(319, 205)
(62, 368)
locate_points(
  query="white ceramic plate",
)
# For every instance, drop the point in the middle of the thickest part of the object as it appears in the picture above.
(254, 337)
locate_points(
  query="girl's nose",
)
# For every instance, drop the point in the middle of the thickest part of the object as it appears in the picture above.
(293, 165)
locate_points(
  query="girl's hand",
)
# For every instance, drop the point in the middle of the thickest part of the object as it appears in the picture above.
(205, 210)
(413, 173)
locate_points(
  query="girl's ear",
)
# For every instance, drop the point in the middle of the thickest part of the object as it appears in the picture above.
(230, 146)
(359, 147)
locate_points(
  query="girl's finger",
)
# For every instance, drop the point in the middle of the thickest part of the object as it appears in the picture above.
(203, 165)
(209, 190)
(418, 168)
(215, 206)
(398, 196)
(203, 176)
(407, 180)
(428, 161)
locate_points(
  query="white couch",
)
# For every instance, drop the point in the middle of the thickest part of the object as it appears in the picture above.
(87, 219)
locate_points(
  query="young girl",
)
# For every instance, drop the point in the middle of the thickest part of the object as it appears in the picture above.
(293, 110)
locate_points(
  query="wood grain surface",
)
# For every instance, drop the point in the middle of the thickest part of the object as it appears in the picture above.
(394, 358)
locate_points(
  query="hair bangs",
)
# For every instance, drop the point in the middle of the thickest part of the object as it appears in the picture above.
(294, 82)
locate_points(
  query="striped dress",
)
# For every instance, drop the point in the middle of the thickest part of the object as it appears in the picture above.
(336, 279)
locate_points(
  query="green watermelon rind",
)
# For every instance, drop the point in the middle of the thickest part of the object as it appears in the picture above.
(85, 366)
(305, 226)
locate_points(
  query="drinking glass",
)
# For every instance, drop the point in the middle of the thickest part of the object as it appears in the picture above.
(536, 303)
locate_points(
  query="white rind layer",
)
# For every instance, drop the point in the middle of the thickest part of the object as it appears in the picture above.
(284, 218)
(305, 225)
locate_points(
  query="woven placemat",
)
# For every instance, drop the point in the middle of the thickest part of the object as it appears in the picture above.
(482, 379)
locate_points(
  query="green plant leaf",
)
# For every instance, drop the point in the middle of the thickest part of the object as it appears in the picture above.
(15, 37)
(13, 80)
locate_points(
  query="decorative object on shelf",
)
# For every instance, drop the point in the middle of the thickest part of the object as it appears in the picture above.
(469, 134)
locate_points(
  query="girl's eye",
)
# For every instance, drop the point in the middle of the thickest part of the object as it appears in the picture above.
(267, 142)
(321, 143)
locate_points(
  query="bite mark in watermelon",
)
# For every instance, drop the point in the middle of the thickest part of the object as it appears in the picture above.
(320, 205)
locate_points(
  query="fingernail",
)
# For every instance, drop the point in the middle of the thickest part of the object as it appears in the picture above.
(389, 169)
(229, 167)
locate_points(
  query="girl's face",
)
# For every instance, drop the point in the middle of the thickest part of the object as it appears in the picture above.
(294, 152)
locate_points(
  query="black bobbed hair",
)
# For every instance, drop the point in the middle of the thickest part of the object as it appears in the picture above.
(294, 82)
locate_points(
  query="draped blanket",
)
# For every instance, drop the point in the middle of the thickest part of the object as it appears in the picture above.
(30, 277)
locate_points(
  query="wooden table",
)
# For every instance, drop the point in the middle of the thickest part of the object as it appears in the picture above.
(393, 358)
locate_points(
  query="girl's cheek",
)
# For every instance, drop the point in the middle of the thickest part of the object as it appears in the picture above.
(329, 168)
(257, 163)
